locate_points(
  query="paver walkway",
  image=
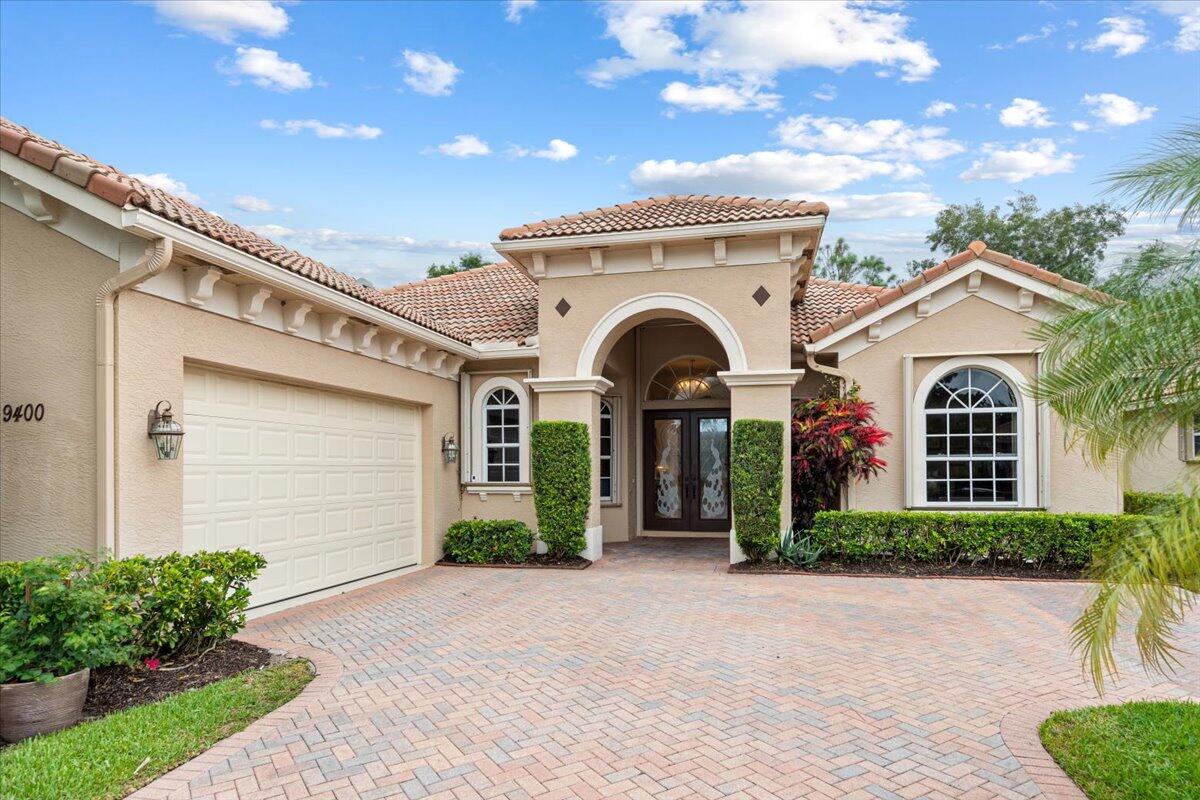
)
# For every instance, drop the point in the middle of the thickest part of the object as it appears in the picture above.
(655, 674)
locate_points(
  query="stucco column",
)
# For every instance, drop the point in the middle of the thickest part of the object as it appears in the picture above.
(578, 400)
(764, 394)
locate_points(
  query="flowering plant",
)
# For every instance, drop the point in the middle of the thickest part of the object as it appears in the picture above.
(834, 440)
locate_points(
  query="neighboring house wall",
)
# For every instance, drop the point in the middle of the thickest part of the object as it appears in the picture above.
(972, 325)
(157, 337)
(1163, 469)
(48, 286)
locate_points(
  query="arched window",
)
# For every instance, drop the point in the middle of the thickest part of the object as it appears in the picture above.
(502, 436)
(687, 378)
(608, 450)
(972, 439)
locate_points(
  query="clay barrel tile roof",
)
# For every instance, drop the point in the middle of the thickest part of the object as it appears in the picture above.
(118, 188)
(825, 301)
(496, 303)
(666, 211)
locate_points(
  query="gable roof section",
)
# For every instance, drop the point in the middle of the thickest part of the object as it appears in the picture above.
(976, 250)
(116, 187)
(826, 300)
(666, 211)
(496, 303)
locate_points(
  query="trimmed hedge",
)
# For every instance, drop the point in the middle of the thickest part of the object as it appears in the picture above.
(1013, 537)
(756, 483)
(483, 541)
(1151, 502)
(562, 484)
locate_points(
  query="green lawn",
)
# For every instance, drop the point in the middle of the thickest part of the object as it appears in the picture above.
(1147, 751)
(101, 758)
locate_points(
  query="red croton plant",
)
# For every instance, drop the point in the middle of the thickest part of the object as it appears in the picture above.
(833, 441)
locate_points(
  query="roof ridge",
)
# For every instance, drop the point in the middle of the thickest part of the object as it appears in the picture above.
(870, 287)
(427, 280)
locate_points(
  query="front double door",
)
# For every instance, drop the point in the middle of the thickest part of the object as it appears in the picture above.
(686, 470)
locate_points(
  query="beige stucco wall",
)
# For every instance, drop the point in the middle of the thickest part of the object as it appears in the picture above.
(48, 286)
(156, 338)
(1162, 470)
(972, 325)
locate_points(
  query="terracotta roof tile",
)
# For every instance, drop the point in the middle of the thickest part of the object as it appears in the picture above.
(975, 250)
(114, 186)
(496, 303)
(666, 211)
(825, 301)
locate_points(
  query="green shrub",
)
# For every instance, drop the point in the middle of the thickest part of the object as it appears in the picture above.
(184, 604)
(1012, 537)
(562, 484)
(1151, 502)
(798, 549)
(756, 483)
(483, 541)
(56, 617)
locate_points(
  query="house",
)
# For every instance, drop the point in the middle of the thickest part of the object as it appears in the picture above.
(339, 429)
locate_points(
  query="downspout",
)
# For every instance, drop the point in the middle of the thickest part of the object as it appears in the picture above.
(153, 261)
(845, 378)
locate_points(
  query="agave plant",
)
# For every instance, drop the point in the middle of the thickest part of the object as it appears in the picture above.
(798, 549)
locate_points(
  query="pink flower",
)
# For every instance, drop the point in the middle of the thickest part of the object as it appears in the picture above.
(151, 663)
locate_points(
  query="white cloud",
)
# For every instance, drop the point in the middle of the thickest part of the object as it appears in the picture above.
(1020, 162)
(890, 205)
(223, 20)
(1125, 35)
(746, 45)
(723, 98)
(1025, 113)
(887, 138)
(1188, 15)
(1116, 110)
(514, 9)
(266, 70)
(322, 130)
(939, 108)
(429, 73)
(766, 172)
(256, 205)
(161, 180)
(826, 93)
(1080, 125)
(333, 239)
(464, 145)
(556, 150)
(1045, 32)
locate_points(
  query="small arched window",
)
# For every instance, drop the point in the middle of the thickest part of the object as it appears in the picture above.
(608, 455)
(972, 439)
(502, 436)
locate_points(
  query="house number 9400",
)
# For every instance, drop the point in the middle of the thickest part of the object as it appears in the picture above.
(29, 412)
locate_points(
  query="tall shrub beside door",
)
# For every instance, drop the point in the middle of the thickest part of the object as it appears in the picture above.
(756, 482)
(562, 484)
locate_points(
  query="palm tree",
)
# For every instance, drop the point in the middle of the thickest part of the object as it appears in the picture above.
(1122, 374)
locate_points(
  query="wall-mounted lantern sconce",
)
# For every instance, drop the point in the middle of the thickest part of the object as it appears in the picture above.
(166, 433)
(449, 448)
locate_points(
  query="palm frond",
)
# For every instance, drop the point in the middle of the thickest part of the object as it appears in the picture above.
(1167, 180)
(1154, 573)
(1122, 374)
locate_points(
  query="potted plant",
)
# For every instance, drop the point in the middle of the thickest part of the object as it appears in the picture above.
(56, 622)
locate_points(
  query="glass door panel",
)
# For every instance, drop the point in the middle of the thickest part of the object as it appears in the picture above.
(713, 444)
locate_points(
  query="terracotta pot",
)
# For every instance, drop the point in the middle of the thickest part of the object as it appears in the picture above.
(29, 709)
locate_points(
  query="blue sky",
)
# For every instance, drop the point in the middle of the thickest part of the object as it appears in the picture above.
(380, 137)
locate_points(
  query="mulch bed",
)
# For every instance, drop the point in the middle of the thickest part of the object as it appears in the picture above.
(118, 687)
(536, 561)
(879, 568)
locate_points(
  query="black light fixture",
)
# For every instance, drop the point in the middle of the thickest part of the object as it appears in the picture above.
(165, 432)
(449, 448)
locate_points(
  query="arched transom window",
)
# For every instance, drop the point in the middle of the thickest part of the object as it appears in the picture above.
(972, 439)
(687, 378)
(502, 436)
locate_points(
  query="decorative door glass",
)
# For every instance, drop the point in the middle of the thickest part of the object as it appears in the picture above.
(668, 468)
(714, 468)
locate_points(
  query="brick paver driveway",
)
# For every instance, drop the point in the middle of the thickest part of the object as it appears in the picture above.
(656, 674)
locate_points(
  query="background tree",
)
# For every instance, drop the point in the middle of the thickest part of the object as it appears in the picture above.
(465, 261)
(836, 262)
(1123, 374)
(1070, 240)
(1167, 179)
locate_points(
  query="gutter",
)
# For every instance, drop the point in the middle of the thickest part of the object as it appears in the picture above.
(153, 261)
(844, 378)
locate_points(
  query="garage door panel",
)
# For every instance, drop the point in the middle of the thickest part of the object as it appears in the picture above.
(323, 484)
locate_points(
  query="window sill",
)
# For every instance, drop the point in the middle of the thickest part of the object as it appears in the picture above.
(979, 507)
(483, 490)
(611, 504)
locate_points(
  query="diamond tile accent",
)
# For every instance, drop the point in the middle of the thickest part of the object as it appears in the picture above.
(761, 295)
(563, 307)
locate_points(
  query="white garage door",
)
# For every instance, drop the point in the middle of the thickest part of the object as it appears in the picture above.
(324, 484)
